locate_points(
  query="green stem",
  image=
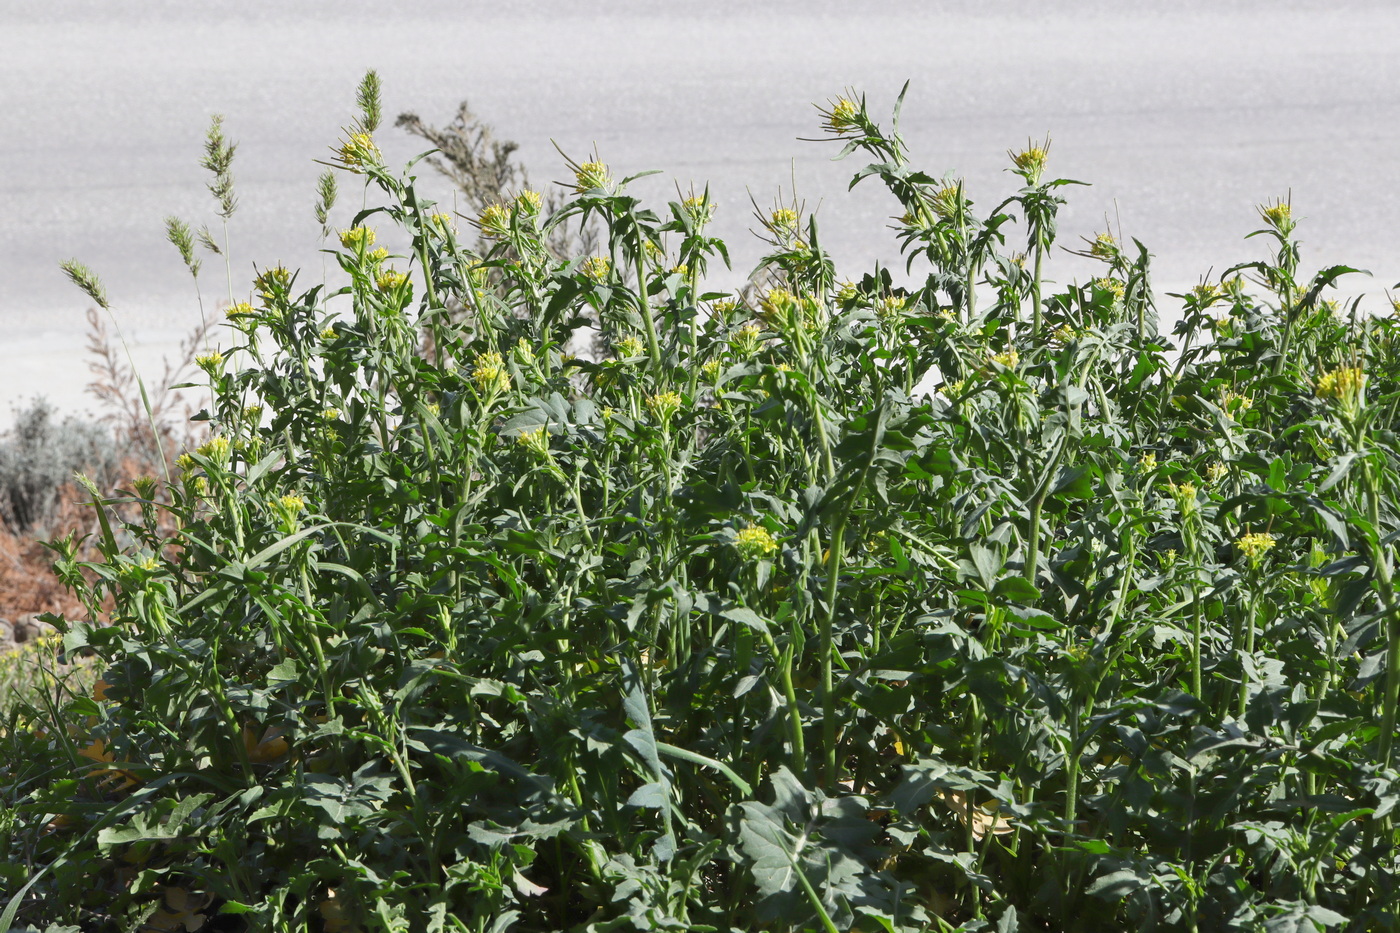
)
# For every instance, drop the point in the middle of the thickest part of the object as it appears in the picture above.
(833, 582)
(1035, 288)
(784, 658)
(643, 303)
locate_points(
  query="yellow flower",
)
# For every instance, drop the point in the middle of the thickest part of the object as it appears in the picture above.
(700, 210)
(442, 222)
(288, 509)
(777, 302)
(185, 462)
(1254, 546)
(273, 282)
(1185, 496)
(211, 363)
(1030, 162)
(377, 255)
(389, 280)
(359, 151)
(783, 222)
(330, 414)
(1345, 384)
(1104, 247)
(495, 221)
(490, 374)
(241, 310)
(755, 543)
(1216, 472)
(890, 307)
(328, 333)
(724, 307)
(1008, 358)
(1278, 215)
(536, 441)
(1206, 294)
(252, 412)
(948, 201)
(1114, 287)
(711, 369)
(216, 449)
(841, 115)
(357, 238)
(590, 176)
(664, 405)
(1235, 402)
(529, 202)
(628, 347)
(1147, 462)
(745, 340)
(596, 268)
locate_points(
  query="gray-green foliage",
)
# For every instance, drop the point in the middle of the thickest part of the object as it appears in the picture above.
(734, 629)
(39, 455)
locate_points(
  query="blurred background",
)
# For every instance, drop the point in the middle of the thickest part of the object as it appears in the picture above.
(1183, 116)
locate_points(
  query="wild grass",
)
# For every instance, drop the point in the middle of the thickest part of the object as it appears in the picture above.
(731, 628)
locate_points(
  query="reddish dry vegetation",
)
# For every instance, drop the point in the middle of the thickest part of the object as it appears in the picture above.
(27, 581)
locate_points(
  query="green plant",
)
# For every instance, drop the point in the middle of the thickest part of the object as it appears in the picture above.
(731, 629)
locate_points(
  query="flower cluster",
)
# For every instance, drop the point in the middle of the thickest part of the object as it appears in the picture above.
(1104, 247)
(596, 268)
(1254, 546)
(592, 176)
(1114, 287)
(535, 440)
(495, 221)
(1030, 162)
(1344, 384)
(215, 450)
(745, 340)
(700, 210)
(783, 222)
(755, 543)
(1007, 358)
(841, 115)
(211, 363)
(287, 510)
(490, 374)
(357, 238)
(664, 406)
(948, 202)
(1278, 215)
(359, 151)
(390, 279)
